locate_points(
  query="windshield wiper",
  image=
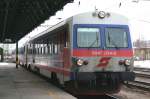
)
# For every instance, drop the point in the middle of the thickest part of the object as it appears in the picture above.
(96, 40)
(112, 41)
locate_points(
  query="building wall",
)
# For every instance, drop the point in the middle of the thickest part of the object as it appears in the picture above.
(142, 53)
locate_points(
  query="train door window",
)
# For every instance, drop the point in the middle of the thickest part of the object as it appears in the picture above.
(41, 48)
(56, 43)
(33, 47)
(88, 37)
(29, 49)
(66, 38)
(56, 48)
(38, 48)
(50, 48)
(53, 48)
(116, 37)
(43, 51)
(46, 48)
(63, 40)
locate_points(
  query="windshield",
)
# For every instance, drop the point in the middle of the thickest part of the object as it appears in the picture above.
(116, 37)
(88, 37)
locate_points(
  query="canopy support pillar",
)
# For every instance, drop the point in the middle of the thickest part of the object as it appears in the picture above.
(17, 61)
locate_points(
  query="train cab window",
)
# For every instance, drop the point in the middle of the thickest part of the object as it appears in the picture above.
(116, 37)
(88, 37)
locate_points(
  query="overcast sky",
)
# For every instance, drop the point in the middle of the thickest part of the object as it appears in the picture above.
(137, 12)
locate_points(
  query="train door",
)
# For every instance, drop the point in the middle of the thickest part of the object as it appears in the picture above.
(65, 51)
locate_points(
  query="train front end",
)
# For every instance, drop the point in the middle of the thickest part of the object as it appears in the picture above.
(102, 56)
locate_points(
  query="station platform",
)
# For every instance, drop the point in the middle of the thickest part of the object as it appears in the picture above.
(22, 84)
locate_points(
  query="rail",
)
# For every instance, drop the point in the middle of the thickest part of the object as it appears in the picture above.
(142, 69)
(142, 80)
(107, 96)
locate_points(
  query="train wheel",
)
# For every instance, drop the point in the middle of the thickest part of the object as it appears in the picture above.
(54, 78)
(29, 67)
(22, 65)
(37, 70)
(25, 66)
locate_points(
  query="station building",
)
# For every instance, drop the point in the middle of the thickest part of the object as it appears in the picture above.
(142, 49)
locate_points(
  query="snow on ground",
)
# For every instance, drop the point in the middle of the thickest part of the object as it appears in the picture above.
(132, 93)
(142, 64)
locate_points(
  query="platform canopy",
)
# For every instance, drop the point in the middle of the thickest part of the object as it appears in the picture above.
(19, 17)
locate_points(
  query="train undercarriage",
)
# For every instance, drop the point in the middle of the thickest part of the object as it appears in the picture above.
(98, 83)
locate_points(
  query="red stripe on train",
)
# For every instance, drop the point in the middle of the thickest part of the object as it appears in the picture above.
(92, 53)
(54, 69)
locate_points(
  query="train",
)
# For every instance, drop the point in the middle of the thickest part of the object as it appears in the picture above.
(87, 54)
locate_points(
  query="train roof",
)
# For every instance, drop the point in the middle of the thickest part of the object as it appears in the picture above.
(94, 18)
(111, 18)
(53, 28)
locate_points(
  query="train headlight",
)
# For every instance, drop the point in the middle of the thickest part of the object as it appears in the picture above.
(101, 14)
(80, 62)
(127, 62)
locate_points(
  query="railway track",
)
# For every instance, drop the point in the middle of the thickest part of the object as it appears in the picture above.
(142, 74)
(98, 97)
(140, 85)
(142, 80)
(142, 69)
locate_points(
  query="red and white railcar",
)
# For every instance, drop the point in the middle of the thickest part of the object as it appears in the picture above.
(89, 53)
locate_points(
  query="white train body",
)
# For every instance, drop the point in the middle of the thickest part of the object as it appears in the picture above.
(89, 53)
